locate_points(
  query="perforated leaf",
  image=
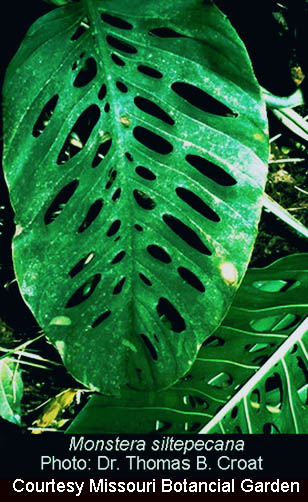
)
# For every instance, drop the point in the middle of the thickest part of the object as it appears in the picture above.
(11, 390)
(265, 326)
(135, 154)
(275, 400)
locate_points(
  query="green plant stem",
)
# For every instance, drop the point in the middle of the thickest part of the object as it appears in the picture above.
(22, 346)
(270, 205)
(29, 355)
(293, 121)
(278, 102)
(282, 108)
(31, 364)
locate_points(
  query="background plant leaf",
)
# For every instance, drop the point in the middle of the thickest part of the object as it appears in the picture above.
(53, 410)
(135, 154)
(270, 305)
(11, 390)
(275, 400)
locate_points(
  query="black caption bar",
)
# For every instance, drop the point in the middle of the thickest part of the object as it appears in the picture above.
(155, 456)
(152, 487)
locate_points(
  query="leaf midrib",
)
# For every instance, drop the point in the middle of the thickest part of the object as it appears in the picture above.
(102, 52)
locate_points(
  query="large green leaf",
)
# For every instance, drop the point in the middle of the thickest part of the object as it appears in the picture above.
(11, 390)
(135, 154)
(262, 343)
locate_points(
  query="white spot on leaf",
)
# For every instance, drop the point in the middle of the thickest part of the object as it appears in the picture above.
(229, 273)
(61, 320)
(18, 230)
(60, 347)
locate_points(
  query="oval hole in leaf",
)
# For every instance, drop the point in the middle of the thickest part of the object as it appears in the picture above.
(302, 393)
(119, 286)
(276, 286)
(151, 108)
(197, 204)
(238, 430)
(302, 383)
(191, 279)
(101, 318)
(143, 200)
(198, 402)
(201, 100)
(257, 347)
(159, 253)
(57, 206)
(221, 381)
(122, 87)
(150, 347)
(186, 234)
(120, 45)
(45, 116)
(264, 324)
(145, 173)
(194, 427)
(82, 130)
(167, 311)
(80, 30)
(165, 33)
(260, 360)
(114, 228)
(287, 321)
(234, 412)
(152, 141)
(273, 393)
(211, 170)
(119, 257)
(118, 61)
(269, 428)
(111, 178)
(117, 194)
(81, 264)
(84, 292)
(102, 92)
(145, 280)
(162, 426)
(303, 367)
(149, 71)
(187, 378)
(271, 286)
(213, 341)
(117, 22)
(86, 74)
(92, 214)
(102, 151)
